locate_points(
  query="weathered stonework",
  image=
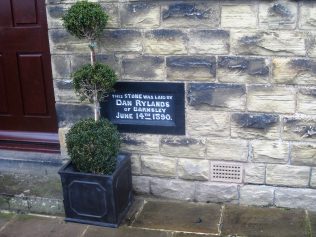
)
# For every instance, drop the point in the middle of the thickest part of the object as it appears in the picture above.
(64, 92)
(216, 192)
(257, 195)
(232, 69)
(270, 151)
(239, 16)
(268, 43)
(141, 184)
(278, 14)
(157, 166)
(253, 126)
(199, 42)
(271, 99)
(210, 123)
(121, 41)
(303, 154)
(174, 189)
(113, 12)
(165, 41)
(287, 175)
(299, 198)
(143, 68)
(207, 96)
(254, 173)
(313, 178)
(307, 15)
(299, 128)
(182, 147)
(294, 71)
(193, 169)
(306, 101)
(61, 66)
(227, 149)
(191, 68)
(191, 14)
(142, 14)
(140, 144)
(54, 14)
(136, 164)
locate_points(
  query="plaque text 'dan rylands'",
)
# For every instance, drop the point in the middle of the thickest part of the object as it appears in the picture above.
(146, 107)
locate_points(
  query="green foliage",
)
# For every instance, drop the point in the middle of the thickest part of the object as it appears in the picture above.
(97, 79)
(85, 20)
(93, 146)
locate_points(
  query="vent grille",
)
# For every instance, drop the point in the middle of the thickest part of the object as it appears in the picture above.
(226, 172)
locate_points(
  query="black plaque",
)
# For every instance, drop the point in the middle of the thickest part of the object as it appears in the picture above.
(146, 107)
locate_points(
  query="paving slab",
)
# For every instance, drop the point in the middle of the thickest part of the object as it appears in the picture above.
(312, 218)
(125, 232)
(34, 226)
(183, 234)
(263, 222)
(5, 218)
(184, 216)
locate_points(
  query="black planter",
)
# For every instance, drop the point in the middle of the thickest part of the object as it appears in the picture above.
(97, 199)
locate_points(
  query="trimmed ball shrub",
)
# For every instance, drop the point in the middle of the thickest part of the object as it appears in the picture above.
(85, 20)
(89, 79)
(93, 146)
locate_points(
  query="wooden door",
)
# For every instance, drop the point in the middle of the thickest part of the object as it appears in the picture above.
(27, 104)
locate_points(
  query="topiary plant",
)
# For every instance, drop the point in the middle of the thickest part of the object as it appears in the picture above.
(93, 146)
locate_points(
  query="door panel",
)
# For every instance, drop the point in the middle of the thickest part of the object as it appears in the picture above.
(32, 84)
(26, 87)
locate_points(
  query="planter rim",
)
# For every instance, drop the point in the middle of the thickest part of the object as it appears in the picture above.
(63, 170)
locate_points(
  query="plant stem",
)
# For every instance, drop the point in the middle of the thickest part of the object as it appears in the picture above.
(96, 109)
(92, 46)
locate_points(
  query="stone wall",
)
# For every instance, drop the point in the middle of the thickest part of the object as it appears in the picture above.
(249, 68)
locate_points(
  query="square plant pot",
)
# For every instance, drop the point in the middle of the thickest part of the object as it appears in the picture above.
(94, 199)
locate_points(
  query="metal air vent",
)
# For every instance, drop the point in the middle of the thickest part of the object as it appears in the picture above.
(226, 172)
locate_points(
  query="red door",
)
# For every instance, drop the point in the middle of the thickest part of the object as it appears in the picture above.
(27, 105)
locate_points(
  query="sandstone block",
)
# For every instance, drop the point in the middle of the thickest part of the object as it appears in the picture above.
(270, 151)
(68, 114)
(287, 175)
(136, 164)
(174, 189)
(140, 14)
(64, 92)
(191, 68)
(62, 141)
(140, 144)
(206, 96)
(113, 11)
(303, 154)
(271, 99)
(239, 15)
(256, 195)
(294, 71)
(60, 66)
(313, 178)
(254, 173)
(296, 198)
(255, 126)
(193, 169)
(199, 42)
(216, 192)
(268, 43)
(299, 128)
(54, 15)
(307, 16)
(143, 68)
(122, 40)
(182, 147)
(209, 123)
(141, 184)
(306, 102)
(234, 69)
(157, 166)
(310, 43)
(227, 149)
(165, 41)
(62, 42)
(278, 15)
(197, 14)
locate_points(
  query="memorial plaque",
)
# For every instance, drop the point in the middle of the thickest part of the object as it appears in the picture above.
(146, 107)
